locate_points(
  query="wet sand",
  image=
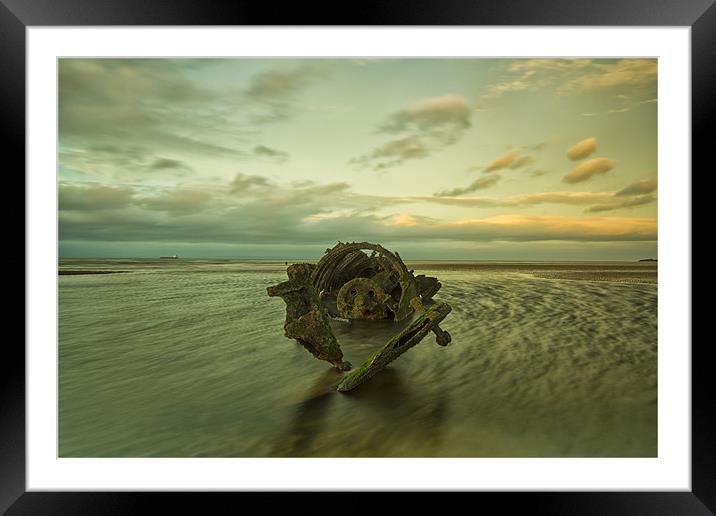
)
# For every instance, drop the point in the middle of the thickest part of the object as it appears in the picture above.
(161, 362)
(68, 272)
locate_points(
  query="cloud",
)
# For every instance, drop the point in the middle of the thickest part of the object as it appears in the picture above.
(478, 184)
(273, 85)
(244, 182)
(288, 228)
(590, 168)
(576, 76)
(313, 214)
(640, 187)
(135, 101)
(531, 228)
(93, 196)
(426, 126)
(449, 113)
(125, 118)
(568, 198)
(597, 201)
(629, 73)
(549, 64)
(525, 74)
(623, 203)
(165, 163)
(143, 120)
(276, 90)
(510, 159)
(121, 161)
(522, 161)
(179, 200)
(270, 153)
(501, 228)
(628, 104)
(405, 219)
(327, 189)
(394, 153)
(582, 149)
(503, 161)
(500, 88)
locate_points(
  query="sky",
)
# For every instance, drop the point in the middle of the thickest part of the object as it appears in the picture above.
(470, 159)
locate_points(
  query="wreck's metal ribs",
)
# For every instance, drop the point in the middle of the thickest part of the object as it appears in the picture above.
(350, 283)
(397, 345)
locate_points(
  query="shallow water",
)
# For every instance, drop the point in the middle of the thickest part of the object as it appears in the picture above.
(185, 358)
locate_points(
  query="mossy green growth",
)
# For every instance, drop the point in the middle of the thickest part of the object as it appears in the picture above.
(396, 346)
(306, 320)
(409, 290)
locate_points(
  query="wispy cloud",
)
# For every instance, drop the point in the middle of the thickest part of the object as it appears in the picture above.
(622, 203)
(276, 155)
(522, 161)
(394, 153)
(645, 186)
(424, 127)
(575, 76)
(503, 161)
(511, 159)
(595, 201)
(275, 91)
(242, 183)
(478, 184)
(517, 201)
(444, 117)
(625, 73)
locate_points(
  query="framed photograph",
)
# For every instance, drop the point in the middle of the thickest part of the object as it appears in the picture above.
(444, 248)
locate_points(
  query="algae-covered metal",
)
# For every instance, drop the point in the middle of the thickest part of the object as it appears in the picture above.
(397, 345)
(306, 321)
(359, 280)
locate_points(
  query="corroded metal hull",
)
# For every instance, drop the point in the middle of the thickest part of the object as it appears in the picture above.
(350, 283)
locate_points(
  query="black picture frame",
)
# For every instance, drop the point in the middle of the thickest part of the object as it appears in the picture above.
(17, 15)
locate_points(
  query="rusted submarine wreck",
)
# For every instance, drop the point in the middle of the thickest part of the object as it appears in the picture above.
(359, 280)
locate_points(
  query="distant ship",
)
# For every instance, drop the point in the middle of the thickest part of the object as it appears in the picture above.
(173, 257)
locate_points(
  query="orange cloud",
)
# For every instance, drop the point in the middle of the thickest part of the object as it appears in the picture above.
(590, 168)
(536, 227)
(582, 149)
(626, 72)
(405, 219)
(503, 161)
(522, 161)
(568, 198)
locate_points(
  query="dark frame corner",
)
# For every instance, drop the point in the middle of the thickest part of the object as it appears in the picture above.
(17, 15)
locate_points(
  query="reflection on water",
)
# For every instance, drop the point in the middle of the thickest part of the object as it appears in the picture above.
(188, 358)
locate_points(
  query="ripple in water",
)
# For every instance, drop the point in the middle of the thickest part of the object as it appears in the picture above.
(188, 359)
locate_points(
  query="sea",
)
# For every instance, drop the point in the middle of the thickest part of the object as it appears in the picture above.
(187, 358)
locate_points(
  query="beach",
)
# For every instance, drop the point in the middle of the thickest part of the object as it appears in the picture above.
(187, 358)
